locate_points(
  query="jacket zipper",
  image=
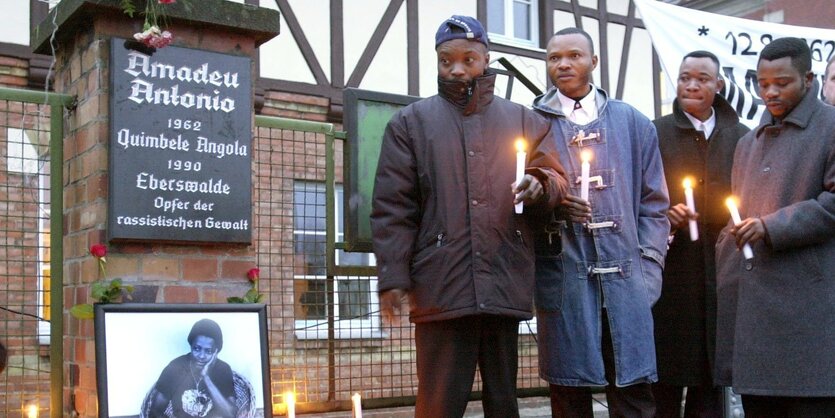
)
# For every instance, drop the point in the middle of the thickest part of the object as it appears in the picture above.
(519, 234)
(440, 240)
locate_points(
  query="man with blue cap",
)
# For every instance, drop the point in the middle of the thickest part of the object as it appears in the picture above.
(445, 231)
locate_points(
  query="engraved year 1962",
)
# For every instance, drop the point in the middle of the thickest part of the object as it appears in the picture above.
(186, 124)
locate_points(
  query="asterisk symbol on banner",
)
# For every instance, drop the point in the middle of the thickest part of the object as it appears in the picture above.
(703, 31)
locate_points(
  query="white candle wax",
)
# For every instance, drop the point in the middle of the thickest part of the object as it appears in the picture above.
(746, 249)
(688, 197)
(585, 169)
(357, 403)
(520, 167)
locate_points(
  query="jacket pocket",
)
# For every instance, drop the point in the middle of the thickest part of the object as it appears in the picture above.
(651, 271)
(549, 283)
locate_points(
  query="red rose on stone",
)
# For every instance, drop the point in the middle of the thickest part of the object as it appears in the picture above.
(253, 274)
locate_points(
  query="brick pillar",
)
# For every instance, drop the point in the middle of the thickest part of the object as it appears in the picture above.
(162, 273)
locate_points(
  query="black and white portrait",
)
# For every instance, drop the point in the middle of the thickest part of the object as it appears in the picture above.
(198, 361)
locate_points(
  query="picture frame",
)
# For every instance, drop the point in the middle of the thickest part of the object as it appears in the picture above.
(151, 357)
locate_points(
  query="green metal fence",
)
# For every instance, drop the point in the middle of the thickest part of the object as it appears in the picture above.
(31, 298)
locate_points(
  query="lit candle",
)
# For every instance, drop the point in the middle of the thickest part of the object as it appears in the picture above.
(520, 167)
(290, 401)
(731, 203)
(688, 197)
(357, 402)
(32, 411)
(585, 168)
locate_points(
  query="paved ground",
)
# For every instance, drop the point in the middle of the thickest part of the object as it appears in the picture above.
(538, 407)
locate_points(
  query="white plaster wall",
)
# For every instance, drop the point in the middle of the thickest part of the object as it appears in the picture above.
(15, 27)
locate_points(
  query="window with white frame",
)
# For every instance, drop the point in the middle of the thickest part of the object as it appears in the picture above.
(513, 22)
(354, 297)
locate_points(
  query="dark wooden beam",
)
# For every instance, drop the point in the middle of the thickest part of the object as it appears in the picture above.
(412, 45)
(337, 44)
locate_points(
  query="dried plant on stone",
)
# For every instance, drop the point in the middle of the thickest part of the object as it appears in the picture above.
(152, 34)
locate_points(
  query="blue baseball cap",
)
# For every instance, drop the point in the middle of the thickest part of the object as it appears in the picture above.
(472, 30)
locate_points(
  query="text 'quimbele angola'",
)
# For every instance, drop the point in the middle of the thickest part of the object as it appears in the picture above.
(126, 140)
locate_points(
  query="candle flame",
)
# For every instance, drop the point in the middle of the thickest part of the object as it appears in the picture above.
(585, 155)
(730, 202)
(520, 145)
(32, 411)
(688, 183)
(290, 398)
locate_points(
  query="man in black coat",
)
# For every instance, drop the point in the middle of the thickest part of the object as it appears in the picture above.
(445, 230)
(697, 142)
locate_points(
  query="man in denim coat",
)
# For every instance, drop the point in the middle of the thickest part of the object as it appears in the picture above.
(599, 262)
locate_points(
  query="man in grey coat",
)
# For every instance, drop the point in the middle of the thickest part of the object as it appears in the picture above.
(776, 311)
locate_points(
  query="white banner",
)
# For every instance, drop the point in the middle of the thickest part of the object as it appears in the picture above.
(677, 30)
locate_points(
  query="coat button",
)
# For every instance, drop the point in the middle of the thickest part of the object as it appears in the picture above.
(478, 253)
(481, 305)
(766, 170)
(749, 266)
(471, 153)
(475, 202)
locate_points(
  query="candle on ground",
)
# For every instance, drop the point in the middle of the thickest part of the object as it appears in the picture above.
(357, 405)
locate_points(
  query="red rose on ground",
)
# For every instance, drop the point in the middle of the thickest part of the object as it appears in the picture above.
(98, 250)
(253, 274)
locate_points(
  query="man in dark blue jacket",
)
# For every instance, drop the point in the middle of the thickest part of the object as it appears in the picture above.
(445, 231)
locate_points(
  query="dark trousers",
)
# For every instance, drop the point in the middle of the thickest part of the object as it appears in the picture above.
(787, 407)
(704, 401)
(447, 355)
(628, 402)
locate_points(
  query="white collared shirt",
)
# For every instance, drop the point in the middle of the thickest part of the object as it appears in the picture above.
(584, 115)
(706, 126)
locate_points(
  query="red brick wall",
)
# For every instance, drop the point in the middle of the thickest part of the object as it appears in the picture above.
(813, 13)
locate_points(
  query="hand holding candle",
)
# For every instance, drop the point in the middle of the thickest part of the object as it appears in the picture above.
(520, 167)
(356, 401)
(688, 197)
(731, 203)
(585, 169)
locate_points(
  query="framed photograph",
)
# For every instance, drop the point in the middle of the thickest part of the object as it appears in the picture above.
(182, 360)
